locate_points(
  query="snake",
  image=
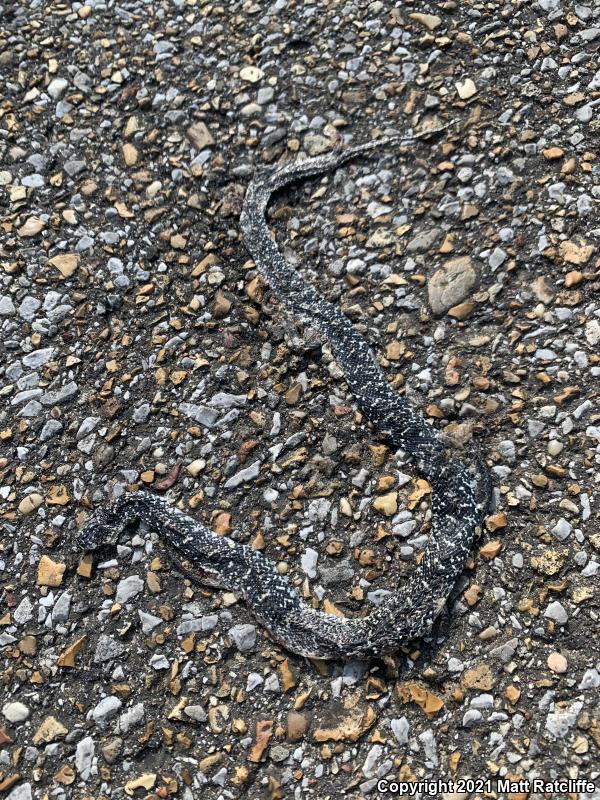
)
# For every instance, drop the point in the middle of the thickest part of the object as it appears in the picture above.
(458, 475)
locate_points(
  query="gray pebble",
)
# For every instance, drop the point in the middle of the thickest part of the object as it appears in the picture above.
(7, 307)
(506, 651)
(149, 621)
(38, 358)
(131, 718)
(57, 87)
(329, 445)
(61, 395)
(141, 413)
(308, 562)
(20, 792)
(561, 720)
(61, 608)
(243, 476)
(107, 649)
(128, 588)
(315, 143)
(86, 427)
(483, 701)
(197, 713)
(556, 611)
(225, 400)
(84, 757)
(404, 529)
(471, 718)
(497, 258)
(106, 709)
(33, 181)
(29, 306)
(50, 429)
(265, 95)
(423, 241)
(23, 612)
(401, 729)
(74, 167)
(207, 623)
(590, 680)
(279, 753)
(202, 414)
(244, 636)
(159, 661)
(427, 739)
(561, 530)
(15, 711)
(254, 680)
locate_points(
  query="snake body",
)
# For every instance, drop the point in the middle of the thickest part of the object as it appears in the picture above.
(459, 480)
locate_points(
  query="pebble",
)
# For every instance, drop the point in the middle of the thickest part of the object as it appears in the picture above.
(149, 621)
(50, 730)
(497, 258)
(15, 711)
(244, 636)
(206, 623)
(471, 718)
(38, 358)
(243, 476)
(197, 713)
(108, 649)
(57, 87)
(590, 679)
(200, 136)
(7, 307)
(131, 718)
(159, 661)
(562, 529)
(592, 332)
(428, 740)
(23, 612)
(74, 167)
(429, 21)
(557, 663)
(59, 396)
(128, 588)
(424, 241)
(297, 725)
(61, 608)
(20, 792)
(556, 612)
(506, 651)
(466, 89)
(107, 708)
(451, 284)
(309, 561)
(561, 720)
(84, 757)
(386, 504)
(202, 414)
(28, 307)
(315, 144)
(251, 74)
(400, 729)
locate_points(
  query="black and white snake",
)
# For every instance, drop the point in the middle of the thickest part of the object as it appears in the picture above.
(459, 479)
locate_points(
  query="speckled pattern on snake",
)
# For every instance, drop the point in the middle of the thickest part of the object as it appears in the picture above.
(459, 479)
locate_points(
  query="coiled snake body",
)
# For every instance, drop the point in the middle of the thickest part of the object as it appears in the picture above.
(460, 481)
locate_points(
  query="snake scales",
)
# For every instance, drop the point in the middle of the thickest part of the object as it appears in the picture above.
(460, 481)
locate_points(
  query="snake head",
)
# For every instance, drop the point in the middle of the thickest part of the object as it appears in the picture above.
(100, 529)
